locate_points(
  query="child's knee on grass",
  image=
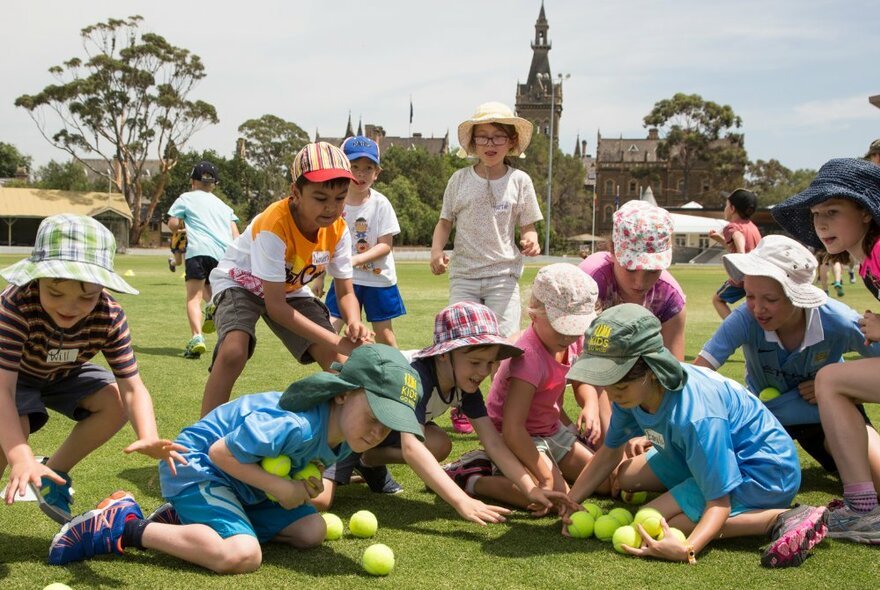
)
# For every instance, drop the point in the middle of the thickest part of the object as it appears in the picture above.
(240, 554)
(306, 533)
(438, 442)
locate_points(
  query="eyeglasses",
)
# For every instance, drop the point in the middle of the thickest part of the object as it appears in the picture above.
(494, 140)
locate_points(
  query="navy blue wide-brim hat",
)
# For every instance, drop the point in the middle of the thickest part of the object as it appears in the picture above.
(842, 178)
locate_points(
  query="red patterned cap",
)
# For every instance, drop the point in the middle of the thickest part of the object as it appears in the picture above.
(320, 162)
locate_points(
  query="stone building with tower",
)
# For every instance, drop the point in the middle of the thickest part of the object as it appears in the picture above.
(533, 97)
(432, 145)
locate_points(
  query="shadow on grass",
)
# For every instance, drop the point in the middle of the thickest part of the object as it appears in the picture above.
(144, 480)
(159, 351)
(814, 478)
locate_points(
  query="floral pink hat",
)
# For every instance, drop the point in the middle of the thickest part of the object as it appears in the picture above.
(569, 296)
(467, 324)
(642, 236)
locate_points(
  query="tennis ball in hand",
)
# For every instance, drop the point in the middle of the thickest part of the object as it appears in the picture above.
(307, 472)
(279, 466)
(650, 519)
(621, 514)
(334, 526)
(363, 524)
(605, 526)
(674, 532)
(582, 524)
(626, 535)
(593, 509)
(633, 497)
(768, 393)
(378, 559)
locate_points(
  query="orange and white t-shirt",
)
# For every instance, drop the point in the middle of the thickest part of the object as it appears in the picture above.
(273, 249)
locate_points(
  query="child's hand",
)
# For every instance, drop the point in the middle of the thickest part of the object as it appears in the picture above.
(160, 448)
(808, 391)
(439, 262)
(28, 472)
(589, 426)
(529, 247)
(295, 492)
(870, 325)
(476, 511)
(541, 501)
(670, 548)
(636, 446)
(359, 333)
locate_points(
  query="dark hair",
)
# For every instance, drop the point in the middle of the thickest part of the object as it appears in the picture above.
(510, 130)
(743, 202)
(638, 370)
(333, 183)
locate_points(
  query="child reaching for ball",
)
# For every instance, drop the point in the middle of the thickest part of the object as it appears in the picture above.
(788, 330)
(728, 465)
(218, 509)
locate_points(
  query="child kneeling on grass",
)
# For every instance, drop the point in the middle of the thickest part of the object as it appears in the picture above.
(728, 465)
(219, 509)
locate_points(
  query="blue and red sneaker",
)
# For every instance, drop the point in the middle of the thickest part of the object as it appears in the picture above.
(165, 514)
(96, 532)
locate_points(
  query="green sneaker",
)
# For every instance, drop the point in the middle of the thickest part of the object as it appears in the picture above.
(838, 288)
(208, 326)
(195, 347)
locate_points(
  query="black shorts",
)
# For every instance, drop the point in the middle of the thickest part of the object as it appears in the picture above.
(812, 439)
(199, 267)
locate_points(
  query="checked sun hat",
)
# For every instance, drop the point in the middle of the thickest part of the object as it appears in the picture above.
(393, 388)
(616, 340)
(495, 112)
(74, 247)
(784, 260)
(853, 179)
(467, 324)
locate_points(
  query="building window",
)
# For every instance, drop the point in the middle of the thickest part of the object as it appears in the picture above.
(681, 240)
(681, 186)
(633, 187)
(707, 185)
(609, 188)
(607, 212)
(704, 241)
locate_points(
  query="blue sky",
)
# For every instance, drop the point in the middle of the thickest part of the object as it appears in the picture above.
(799, 73)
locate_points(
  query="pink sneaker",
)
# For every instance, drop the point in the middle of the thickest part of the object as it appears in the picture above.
(794, 534)
(460, 422)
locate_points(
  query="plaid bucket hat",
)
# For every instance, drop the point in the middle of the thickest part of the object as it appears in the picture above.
(467, 324)
(569, 296)
(619, 337)
(642, 236)
(393, 388)
(73, 247)
(842, 178)
(320, 162)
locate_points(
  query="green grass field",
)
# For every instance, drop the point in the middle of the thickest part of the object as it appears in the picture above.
(434, 547)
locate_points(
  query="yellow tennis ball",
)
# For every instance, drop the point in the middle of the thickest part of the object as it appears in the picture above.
(646, 513)
(652, 526)
(378, 559)
(605, 526)
(626, 535)
(582, 524)
(633, 497)
(334, 526)
(307, 472)
(57, 586)
(682, 538)
(621, 514)
(768, 393)
(363, 524)
(593, 509)
(279, 466)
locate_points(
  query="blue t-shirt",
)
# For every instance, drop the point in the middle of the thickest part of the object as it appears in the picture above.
(720, 433)
(768, 364)
(208, 223)
(253, 426)
(434, 404)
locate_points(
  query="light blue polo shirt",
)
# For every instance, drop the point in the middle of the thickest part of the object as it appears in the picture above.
(715, 432)
(253, 426)
(207, 219)
(832, 331)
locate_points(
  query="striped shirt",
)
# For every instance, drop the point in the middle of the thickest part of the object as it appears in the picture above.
(30, 342)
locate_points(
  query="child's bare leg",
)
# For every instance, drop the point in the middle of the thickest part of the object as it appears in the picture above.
(231, 359)
(194, 304)
(324, 500)
(575, 461)
(306, 533)
(26, 430)
(337, 323)
(325, 355)
(178, 259)
(748, 524)
(874, 456)
(635, 475)
(436, 440)
(384, 333)
(500, 489)
(107, 418)
(201, 545)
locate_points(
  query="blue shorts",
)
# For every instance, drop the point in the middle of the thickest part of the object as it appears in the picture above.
(380, 303)
(730, 293)
(747, 496)
(216, 505)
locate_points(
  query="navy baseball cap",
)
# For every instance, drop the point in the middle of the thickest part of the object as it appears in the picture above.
(205, 172)
(361, 147)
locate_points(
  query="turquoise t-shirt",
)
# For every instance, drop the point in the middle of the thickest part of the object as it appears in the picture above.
(208, 223)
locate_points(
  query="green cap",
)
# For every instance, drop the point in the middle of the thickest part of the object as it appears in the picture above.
(393, 387)
(616, 340)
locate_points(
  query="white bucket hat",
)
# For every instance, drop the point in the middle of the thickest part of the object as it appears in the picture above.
(495, 112)
(784, 260)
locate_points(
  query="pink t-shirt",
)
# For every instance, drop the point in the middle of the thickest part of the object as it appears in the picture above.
(665, 299)
(869, 270)
(749, 231)
(539, 368)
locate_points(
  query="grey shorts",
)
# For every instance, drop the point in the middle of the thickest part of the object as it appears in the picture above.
(239, 309)
(558, 445)
(34, 395)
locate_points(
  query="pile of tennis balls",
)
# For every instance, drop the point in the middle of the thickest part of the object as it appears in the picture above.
(378, 559)
(619, 526)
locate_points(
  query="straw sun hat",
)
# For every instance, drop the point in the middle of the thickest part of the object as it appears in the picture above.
(495, 112)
